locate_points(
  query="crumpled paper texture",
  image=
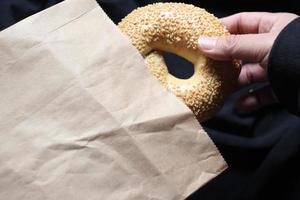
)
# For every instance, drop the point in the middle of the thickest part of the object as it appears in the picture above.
(81, 117)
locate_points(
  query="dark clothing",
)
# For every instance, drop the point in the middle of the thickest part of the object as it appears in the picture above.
(262, 148)
(284, 67)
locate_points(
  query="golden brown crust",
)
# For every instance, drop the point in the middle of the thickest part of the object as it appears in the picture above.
(176, 27)
(169, 23)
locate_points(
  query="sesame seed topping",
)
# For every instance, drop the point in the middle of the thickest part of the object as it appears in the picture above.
(176, 27)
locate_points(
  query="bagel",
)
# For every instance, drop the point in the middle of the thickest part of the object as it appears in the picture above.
(175, 28)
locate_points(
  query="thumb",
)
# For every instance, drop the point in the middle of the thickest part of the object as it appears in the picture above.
(246, 47)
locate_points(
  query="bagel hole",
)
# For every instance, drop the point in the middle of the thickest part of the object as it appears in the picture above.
(178, 66)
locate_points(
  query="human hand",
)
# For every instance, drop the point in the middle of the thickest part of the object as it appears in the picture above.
(252, 37)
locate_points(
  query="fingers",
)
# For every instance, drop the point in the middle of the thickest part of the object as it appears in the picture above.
(249, 47)
(251, 73)
(255, 100)
(249, 22)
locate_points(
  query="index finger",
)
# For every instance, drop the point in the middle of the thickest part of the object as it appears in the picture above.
(249, 22)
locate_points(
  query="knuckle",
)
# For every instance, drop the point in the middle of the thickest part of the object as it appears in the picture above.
(244, 15)
(249, 75)
(259, 54)
(229, 44)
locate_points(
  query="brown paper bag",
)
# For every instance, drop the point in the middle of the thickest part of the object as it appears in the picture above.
(82, 118)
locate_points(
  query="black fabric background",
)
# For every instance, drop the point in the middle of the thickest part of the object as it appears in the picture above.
(262, 148)
(284, 67)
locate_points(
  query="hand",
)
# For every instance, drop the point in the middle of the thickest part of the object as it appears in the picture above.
(252, 37)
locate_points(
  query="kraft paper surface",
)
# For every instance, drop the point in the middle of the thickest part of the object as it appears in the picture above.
(81, 117)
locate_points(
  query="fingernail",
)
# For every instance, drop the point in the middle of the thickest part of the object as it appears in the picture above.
(207, 43)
